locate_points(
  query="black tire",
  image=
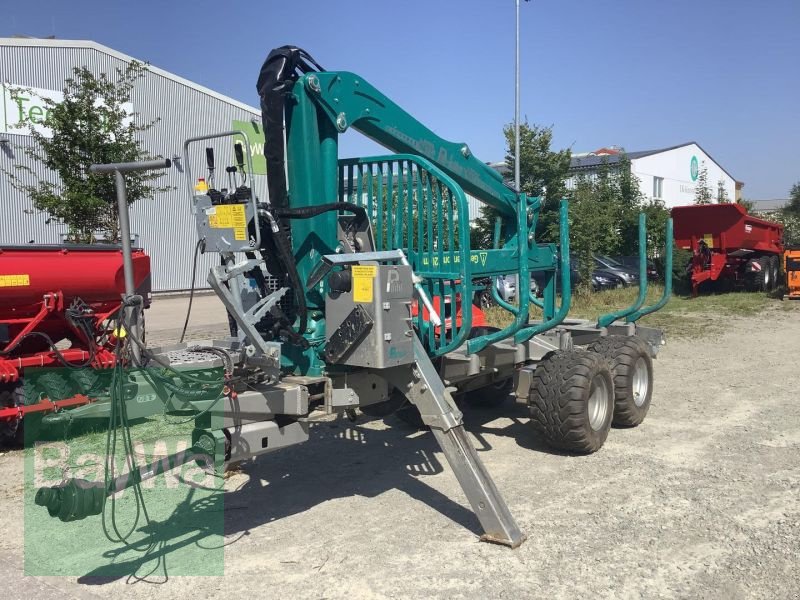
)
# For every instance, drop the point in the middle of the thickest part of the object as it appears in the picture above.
(484, 299)
(12, 432)
(633, 377)
(54, 385)
(493, 395)
(775, 269)
(763, 279)
(572, 400)
(91, 382)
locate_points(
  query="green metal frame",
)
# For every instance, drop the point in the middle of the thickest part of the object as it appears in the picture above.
(608, 318)
(635, 311)
(632, 318)
(323, 105)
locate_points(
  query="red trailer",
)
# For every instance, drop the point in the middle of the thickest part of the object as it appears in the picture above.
(55, 305)
(729, 244)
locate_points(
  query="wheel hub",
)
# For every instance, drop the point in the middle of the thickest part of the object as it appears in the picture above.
(597, 405)
(640, 382)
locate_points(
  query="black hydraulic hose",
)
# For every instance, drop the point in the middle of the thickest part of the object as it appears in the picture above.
(285, 252)
(200, 244)
(276, 78)
(280, 70)
(314, 211)
(54, 349)
(283, 245)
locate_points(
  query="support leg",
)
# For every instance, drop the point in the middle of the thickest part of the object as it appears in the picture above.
(423, 386)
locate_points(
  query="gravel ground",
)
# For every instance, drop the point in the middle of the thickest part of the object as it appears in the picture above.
(701, 501)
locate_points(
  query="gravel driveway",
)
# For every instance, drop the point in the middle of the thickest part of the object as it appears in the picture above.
(701, 501)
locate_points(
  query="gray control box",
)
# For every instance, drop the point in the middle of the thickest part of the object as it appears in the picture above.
(224, 226)
(369, 325)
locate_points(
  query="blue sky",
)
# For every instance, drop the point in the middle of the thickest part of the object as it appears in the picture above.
(638, 73)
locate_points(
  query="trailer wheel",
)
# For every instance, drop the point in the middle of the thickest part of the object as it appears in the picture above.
(775, 269)
(764, 277)
(633, 377)
(493, 395)
(11, 430)
(572, 400)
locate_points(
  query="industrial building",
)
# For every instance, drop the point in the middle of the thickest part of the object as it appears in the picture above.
(164, 224)
(667, 174)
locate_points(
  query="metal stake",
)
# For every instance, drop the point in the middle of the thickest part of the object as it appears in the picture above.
(132, 312)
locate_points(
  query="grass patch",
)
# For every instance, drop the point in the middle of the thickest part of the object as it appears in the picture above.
(683, 316)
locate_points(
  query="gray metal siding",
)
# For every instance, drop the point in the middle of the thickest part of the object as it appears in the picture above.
(164, 224)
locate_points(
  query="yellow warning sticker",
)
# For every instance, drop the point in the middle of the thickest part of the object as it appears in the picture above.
(363, 280)
(227, 216)
(709, 240)
(15, 280)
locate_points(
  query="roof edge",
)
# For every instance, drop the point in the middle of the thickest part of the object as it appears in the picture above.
(88, 44)
(647, 153)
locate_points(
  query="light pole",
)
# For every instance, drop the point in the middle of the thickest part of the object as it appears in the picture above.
(516, 107)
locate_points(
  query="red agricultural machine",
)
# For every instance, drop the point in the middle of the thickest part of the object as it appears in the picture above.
(56, 306)
(729, 245)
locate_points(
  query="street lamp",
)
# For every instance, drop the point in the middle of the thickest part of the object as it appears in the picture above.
(516, 107)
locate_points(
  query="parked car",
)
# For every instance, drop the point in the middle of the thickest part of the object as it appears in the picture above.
(606, 263)
(602, 279)
(632, 262)
(506, 288)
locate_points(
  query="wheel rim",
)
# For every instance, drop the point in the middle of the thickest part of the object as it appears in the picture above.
(640, 382)
(767, 277)
(598, 402)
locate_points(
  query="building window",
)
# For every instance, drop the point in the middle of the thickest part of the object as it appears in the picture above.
(658, 187)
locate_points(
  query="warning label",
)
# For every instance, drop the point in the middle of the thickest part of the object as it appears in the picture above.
(229, 216)
(363, 281)
(15, 280)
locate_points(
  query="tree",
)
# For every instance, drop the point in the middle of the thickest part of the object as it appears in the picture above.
(793, 206)
(542, 172)
(89, 126)
(593, 222)
(749, 205)
(789, 215)
(791, 226)
(722, 193)
(702, 194)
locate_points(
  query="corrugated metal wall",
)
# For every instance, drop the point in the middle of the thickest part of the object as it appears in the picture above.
(164, 224)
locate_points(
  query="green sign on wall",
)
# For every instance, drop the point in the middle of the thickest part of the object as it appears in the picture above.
(694, 168)
(255, 136)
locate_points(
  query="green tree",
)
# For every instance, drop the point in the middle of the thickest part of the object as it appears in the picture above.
(722, 193)
(748, 204)
(604, 216)
(593, 221)
(791, 226)
(89, 126)
(793, 206)
(542, 172)
(702, 194)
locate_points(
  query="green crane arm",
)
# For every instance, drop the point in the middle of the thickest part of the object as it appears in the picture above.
(350, 101)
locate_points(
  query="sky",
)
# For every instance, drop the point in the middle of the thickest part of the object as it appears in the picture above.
(641, 74)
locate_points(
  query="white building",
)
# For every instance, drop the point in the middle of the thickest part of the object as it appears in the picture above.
(668, 174)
